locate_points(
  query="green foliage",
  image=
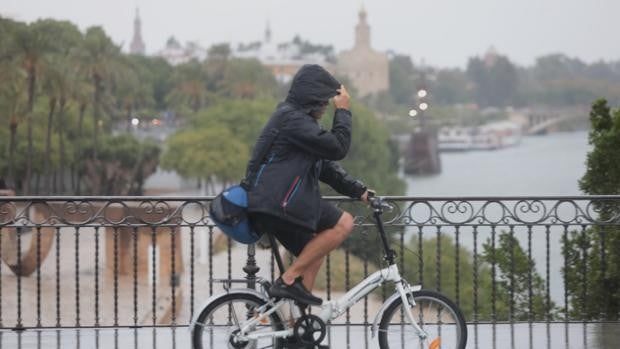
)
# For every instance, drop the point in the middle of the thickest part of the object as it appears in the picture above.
(242, 118)
(402, 87)
(593, 255)
(517, 277)
(189, 86)
(495, 83)
(121, 166)
(50, 65)
(412, 259)
(213, 154)
(602, 176)
(451, 87)
(154, 74)
(4, 149)
(306, 48)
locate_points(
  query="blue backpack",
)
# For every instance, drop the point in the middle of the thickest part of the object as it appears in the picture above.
(229, 212)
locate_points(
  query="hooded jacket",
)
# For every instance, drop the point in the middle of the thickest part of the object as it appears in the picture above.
(284, 179)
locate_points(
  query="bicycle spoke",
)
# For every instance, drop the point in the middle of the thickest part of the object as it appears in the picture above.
(228, 315)
(440, 321)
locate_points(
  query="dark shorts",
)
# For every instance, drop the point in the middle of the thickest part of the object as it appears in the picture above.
(292, 236)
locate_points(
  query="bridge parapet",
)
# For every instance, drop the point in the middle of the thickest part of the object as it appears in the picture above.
(134, 261)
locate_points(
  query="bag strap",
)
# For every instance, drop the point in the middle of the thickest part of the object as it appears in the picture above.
(245, 183)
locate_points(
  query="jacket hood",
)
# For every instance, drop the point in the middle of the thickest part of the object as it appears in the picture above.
(311, 86)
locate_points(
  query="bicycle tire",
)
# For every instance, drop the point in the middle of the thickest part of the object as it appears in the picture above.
(421, 297)
(206, 313)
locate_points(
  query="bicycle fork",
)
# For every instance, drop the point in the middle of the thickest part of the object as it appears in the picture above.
(406, 296)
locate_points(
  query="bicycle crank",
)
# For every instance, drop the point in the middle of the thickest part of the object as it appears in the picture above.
(310, 330)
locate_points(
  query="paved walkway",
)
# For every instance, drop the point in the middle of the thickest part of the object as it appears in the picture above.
(573, 336)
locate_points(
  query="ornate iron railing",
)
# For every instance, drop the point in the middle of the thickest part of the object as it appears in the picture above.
(151, 261)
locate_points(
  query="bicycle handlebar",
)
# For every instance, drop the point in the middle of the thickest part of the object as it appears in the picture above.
(377, 203)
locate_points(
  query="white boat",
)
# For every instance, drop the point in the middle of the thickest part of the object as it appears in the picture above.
(494, 135)
(455, 138)
(497, 135)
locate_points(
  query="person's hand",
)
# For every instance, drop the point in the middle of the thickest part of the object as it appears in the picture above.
(341, 101)
(364, 197)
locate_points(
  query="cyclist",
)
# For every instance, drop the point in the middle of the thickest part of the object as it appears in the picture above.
(284, 197)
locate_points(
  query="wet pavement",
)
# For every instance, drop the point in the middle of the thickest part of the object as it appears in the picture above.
(573, 336)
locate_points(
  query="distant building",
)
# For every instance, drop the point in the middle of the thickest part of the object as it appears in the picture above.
(284, 59)
(490, 58)
(137, 45)
(367, 69)
(175, 53)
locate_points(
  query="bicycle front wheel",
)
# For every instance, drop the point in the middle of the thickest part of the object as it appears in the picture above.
(217, 323)
(436, 314)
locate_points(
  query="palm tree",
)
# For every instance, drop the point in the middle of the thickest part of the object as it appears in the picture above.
(99, 55)
(30, 44)
(132, 95)
(50, 90)
(61, 78)
(82, 95)
(190, 88)
(12, 91)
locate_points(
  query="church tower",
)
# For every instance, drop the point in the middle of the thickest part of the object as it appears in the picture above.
(268, 33)
(367, 69)
(362, 31)
(137, 45)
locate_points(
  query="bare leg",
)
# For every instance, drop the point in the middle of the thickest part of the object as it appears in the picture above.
(319, 247)
(309, 275)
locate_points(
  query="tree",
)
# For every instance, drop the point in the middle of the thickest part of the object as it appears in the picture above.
(495, 81)
(155, 75)
(247, 78)
(189, 87)
(31, 41)
(451, 87)
(213, 155)
(412, 259)
(402, 87)
(121, 167)
(243, 118)
(99, 56)
(131, 95)
(12, 102)
(593, 255)
(517, 276)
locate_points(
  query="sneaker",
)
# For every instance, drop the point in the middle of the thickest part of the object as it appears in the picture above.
(296, 291)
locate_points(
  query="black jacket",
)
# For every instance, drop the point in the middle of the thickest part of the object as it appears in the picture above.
(285, 183)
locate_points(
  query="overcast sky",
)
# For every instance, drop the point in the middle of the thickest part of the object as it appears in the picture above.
(443, 33)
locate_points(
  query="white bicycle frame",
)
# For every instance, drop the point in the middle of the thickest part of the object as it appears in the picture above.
(333, 309)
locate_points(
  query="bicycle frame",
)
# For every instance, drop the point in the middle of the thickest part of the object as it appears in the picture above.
(332, 309)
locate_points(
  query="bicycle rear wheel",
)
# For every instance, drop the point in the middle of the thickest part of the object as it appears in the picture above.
(216, 324)
(437, 315)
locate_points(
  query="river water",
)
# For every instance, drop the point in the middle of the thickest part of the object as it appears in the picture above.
(539, 165)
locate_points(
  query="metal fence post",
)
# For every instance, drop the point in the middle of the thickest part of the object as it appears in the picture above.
(251, 269)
